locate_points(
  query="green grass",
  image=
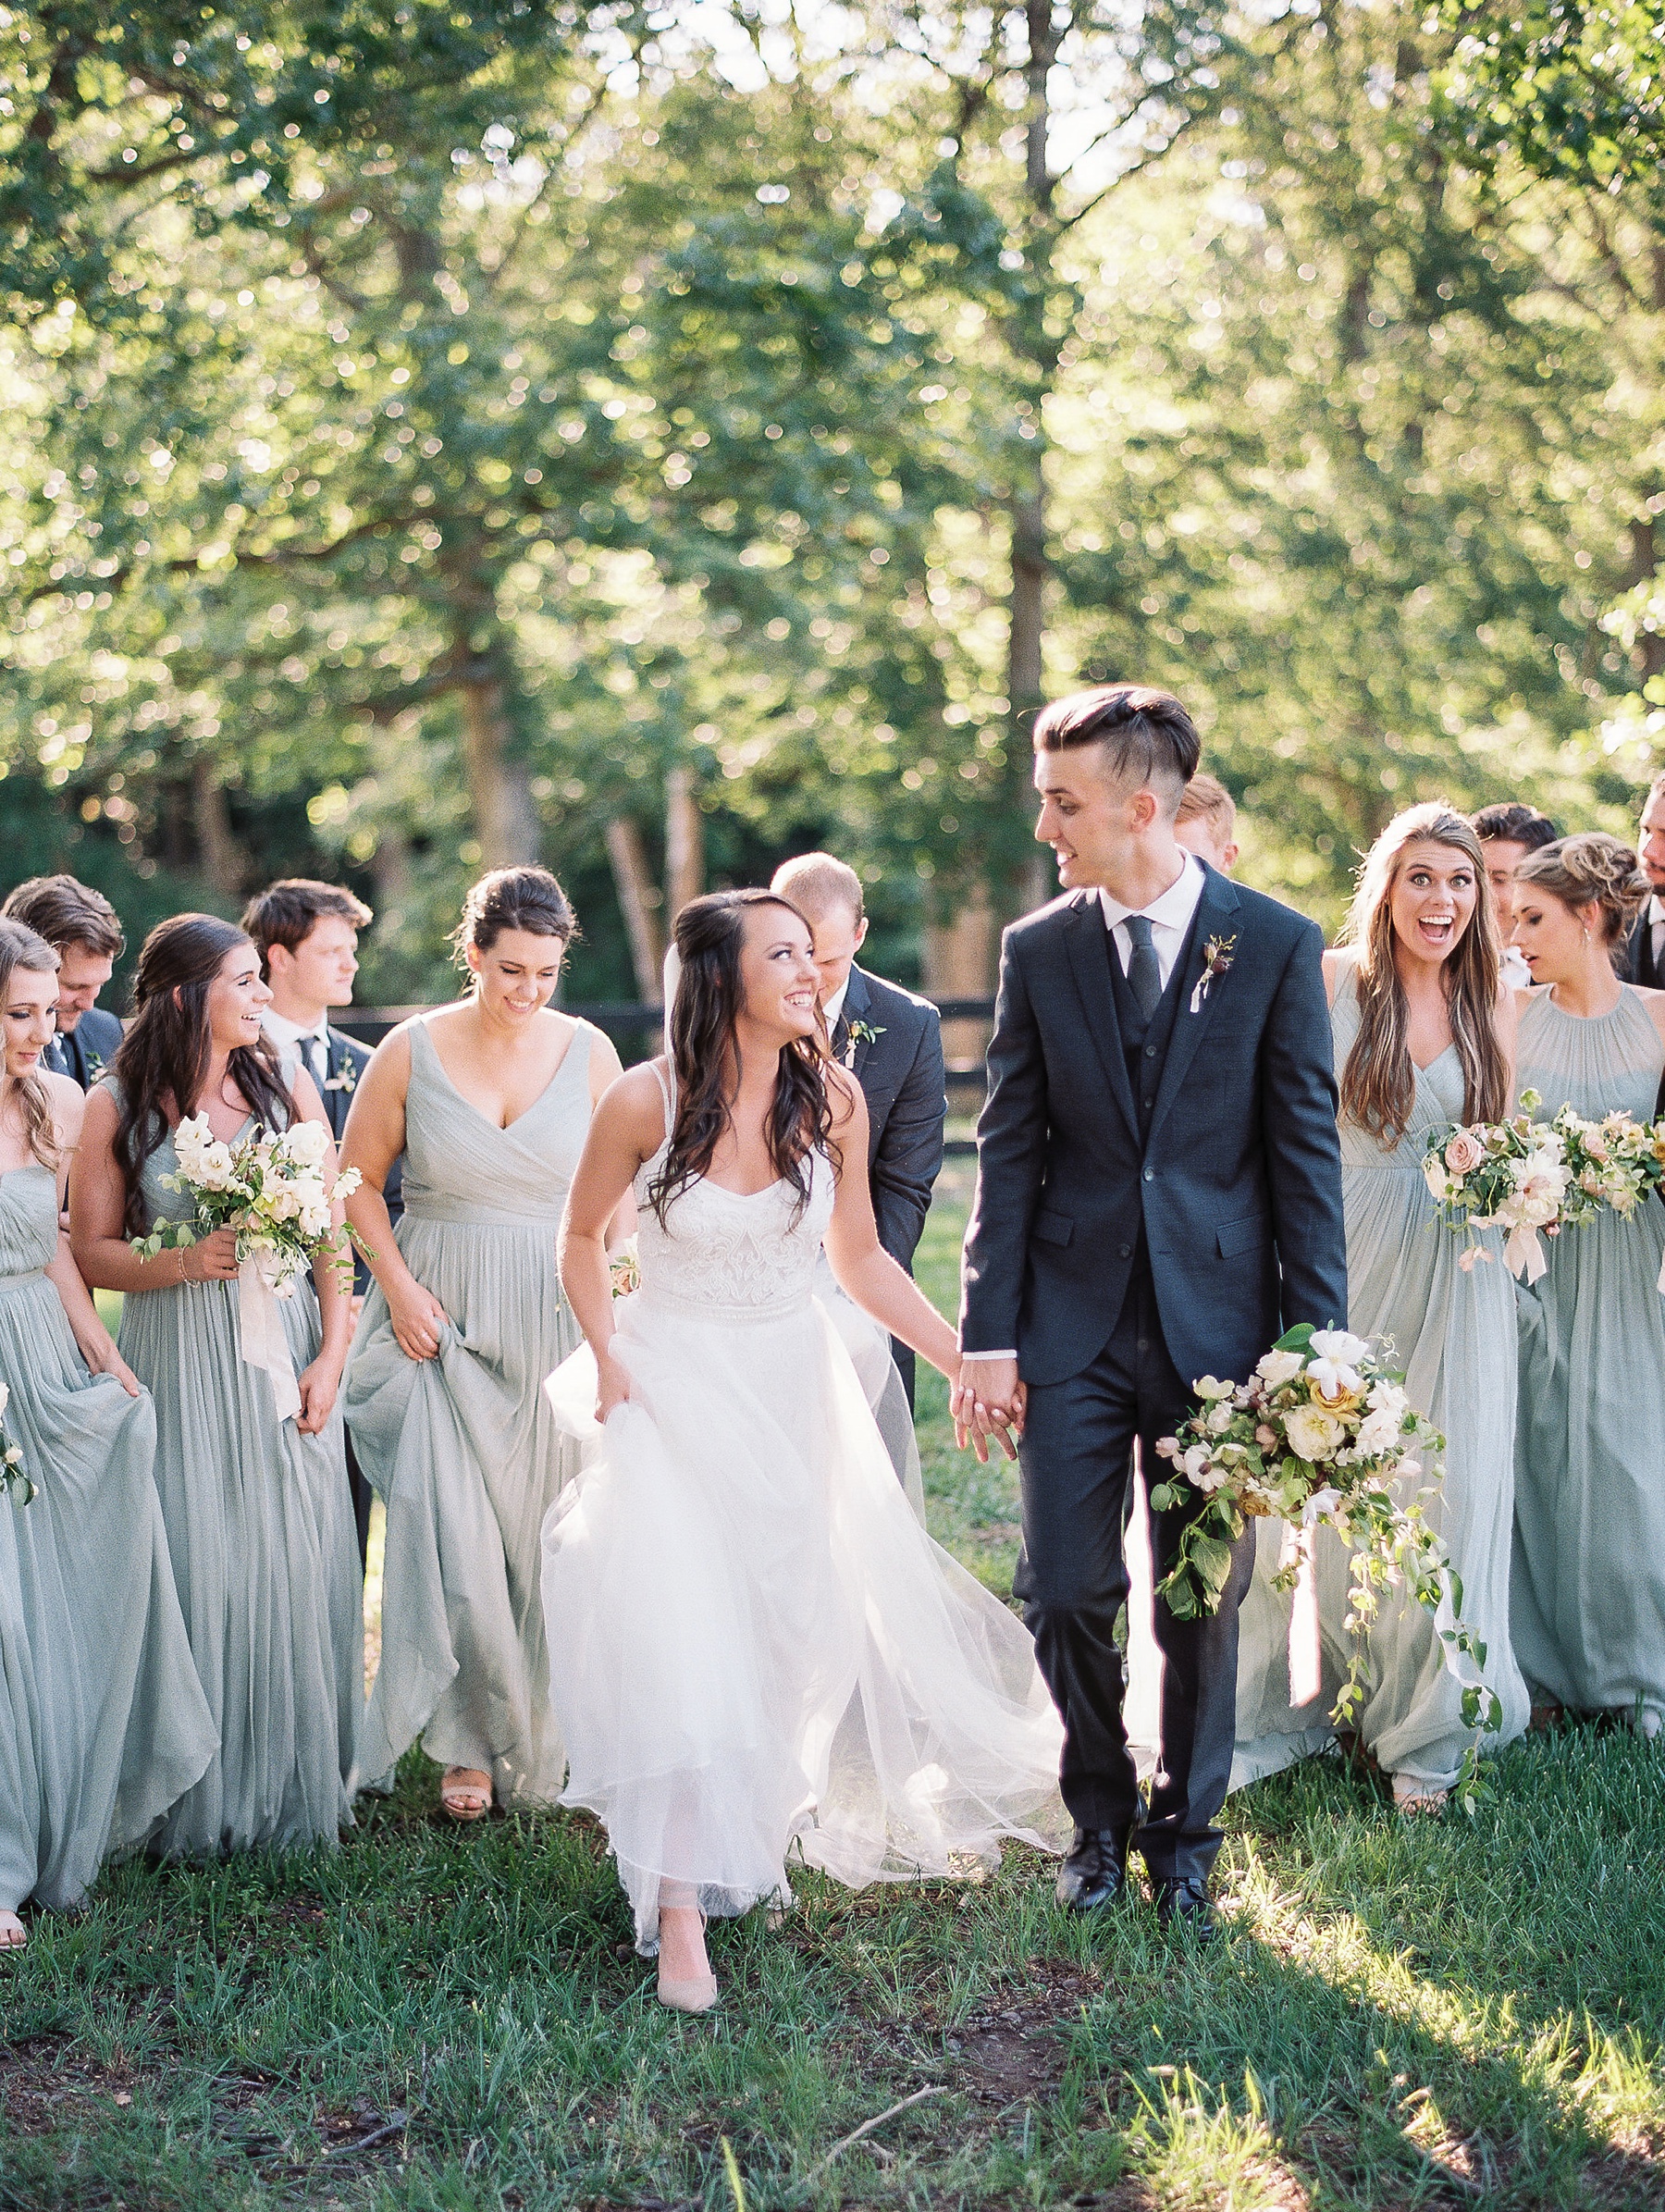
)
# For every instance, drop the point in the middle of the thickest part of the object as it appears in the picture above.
(1443, 2013)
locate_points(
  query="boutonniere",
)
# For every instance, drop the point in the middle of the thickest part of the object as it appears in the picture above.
(1217, 961)
(95, 1068)
(346, 1081)
(860, 1033)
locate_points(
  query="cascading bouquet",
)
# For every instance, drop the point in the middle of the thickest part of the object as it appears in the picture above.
(12, 1476)
(1512, 1175)
(1322, 1434)
(269, 1186)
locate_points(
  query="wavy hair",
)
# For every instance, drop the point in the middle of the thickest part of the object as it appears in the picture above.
(23, 948)
(1591, 870)
(164, 1058)
(705, 1057)
(1378, 1083)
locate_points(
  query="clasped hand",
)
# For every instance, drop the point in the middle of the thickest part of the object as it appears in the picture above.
(988, 1399)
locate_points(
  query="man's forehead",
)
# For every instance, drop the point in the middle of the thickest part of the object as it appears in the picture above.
(1653, 813)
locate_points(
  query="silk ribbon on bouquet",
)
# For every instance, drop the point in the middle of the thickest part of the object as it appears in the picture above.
(260, 1324)
(1524, 1252)
(1306, 1657)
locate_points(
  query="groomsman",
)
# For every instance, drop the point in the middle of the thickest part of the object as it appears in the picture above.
(1206, 822)
(1645, 953)
(892, 1043)
(1508, 830)
(307, 935)
(81, 926)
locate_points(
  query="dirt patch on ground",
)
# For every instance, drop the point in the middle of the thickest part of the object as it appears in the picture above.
(42, 2084)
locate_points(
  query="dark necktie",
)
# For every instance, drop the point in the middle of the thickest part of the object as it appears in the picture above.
(1144, 972)
(56, 1057)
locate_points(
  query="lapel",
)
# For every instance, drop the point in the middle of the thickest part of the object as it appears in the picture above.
(1217, 912)
(1089, 956)
(855, 1008)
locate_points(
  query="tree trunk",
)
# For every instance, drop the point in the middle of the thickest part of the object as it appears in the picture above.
(638, 902)
(684, 842)
(505, 820)
(222, 857)
(959, 963)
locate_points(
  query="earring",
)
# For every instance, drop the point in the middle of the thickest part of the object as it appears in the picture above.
(1586, 934)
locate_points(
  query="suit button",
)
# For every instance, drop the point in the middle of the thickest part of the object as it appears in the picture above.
(1126, 1251)
(1150, 1052)
(1148, 1103)
(1149, 1175)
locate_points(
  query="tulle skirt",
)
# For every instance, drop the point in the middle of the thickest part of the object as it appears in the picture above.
(756, 1653)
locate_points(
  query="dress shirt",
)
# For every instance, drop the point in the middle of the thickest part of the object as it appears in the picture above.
(1516, 973)
(833, 1008)
(1656, 925)
(311, 1043)
(1170, 918)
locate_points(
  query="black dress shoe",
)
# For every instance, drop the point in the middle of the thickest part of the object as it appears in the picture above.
(1182, 1902)
(1094, 1872)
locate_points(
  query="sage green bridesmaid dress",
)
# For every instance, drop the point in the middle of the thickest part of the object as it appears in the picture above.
(1588, 1599)
(103, 1722)
(463, 1447)
(1453, 1336)
(266, 1555)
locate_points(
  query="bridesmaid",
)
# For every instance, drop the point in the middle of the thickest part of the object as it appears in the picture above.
(489, 1102)
(102, 1724)
(1424, 1036)
(258, 1513)
(1588, 1597)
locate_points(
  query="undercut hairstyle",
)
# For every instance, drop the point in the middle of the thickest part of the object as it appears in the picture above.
(816, 881)
(1591, 870)
(286, 913)
(21, 947)
(512, 898)
(1207, 799)
(705, 1057)
(1150, 741)
(163, 1059)
(66, 913)
(1378, 1083)
(1510, 821)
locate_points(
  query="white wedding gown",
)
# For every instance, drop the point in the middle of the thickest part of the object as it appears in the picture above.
(755, 1650)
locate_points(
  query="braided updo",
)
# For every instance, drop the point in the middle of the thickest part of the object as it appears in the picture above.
(512, 898)
(1591, 869)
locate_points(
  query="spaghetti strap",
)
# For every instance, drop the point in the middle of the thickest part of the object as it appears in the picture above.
(668, 1093)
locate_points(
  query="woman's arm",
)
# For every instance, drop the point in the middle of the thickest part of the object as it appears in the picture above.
(1509, 1025)
(373, 1140)
(605, 1070)
(321, 1381)
(97, 1202)
(94, 1340)
(626, 1129)
(866, 1272)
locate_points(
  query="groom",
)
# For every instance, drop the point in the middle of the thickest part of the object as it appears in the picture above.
(1158, 1198)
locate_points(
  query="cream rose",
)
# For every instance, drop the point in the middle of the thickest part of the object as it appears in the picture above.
(1313, 1434)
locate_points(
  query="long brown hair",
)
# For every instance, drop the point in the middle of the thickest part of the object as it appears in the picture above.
(1379, 1084)
(164, 1058)
(22, 947)
(705, 1056)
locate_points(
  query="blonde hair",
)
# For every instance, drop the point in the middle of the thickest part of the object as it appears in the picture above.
(1591, 869)
(23, 948)
(816, 881)
(1207, 799)
(1378, 1083)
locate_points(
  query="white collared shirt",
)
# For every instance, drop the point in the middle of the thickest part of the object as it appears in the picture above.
(1170, 918)
(288, 1035)
(833, 1008)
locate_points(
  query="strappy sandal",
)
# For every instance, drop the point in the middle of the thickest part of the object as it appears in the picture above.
(466, 1801)
(14, 1935)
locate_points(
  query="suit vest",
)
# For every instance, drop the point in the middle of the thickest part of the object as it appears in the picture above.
(1145, 1040)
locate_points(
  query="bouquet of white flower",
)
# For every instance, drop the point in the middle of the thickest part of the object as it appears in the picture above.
(12, 1476)
(1512, 1175)
(1322, 1433)
(270, 1187)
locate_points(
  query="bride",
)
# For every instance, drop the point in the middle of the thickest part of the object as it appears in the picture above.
(754, 1648)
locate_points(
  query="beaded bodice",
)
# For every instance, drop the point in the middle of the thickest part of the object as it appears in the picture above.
(719, 1252)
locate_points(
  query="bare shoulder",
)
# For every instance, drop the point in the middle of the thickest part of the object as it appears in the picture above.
(605, 1066)
(391, 1060)
(845, 1098)
(635, 1101)
(69, 1106)
(97, 1117)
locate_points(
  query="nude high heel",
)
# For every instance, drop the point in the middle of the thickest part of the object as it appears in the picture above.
(696, 1993)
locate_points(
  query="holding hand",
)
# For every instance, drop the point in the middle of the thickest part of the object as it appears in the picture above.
(211, 1258)
(104, 1359)
(988, 1399)
(613, 1386)
(419, 1321)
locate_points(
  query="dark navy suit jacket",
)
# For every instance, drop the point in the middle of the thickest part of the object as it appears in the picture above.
(87, 1049)
(1237, 1188)
(900, 1071)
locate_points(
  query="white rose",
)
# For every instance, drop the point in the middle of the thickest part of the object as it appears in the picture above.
(215, 1168)
(1313, 1434)
(307, 1144)
(1194, 1461)
(1279, 1367)
(1378, 1433)
(1219, 1419)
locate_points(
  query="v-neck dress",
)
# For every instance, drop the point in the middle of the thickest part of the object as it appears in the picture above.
(264, 1552)
(463, 1447)
(103, 1722)
(1588, 1600)
(1452, 1332)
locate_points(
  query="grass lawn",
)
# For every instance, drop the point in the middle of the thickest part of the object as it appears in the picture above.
(1445, 2013)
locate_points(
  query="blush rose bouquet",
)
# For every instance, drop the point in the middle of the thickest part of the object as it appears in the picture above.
(1511, 1175)
(1321, 1435)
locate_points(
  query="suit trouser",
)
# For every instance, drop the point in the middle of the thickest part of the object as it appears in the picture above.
(358, 1485)
(1077, 1458)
